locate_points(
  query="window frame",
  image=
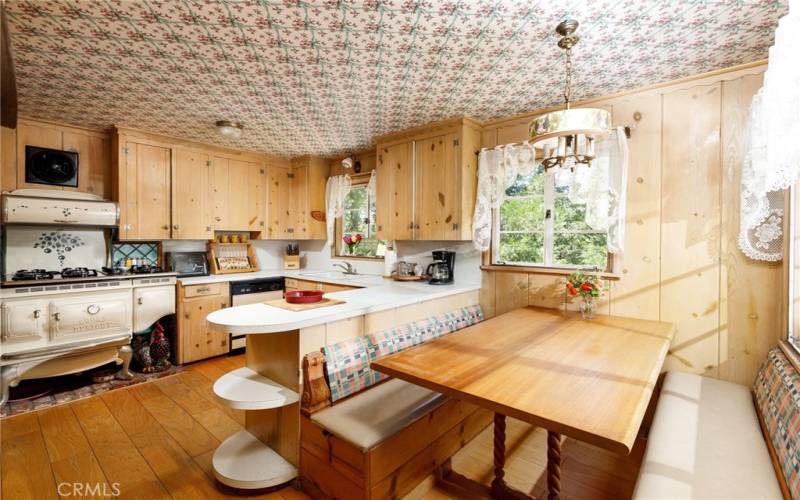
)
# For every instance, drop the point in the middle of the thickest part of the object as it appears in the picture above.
(361, 181)
(548, 233)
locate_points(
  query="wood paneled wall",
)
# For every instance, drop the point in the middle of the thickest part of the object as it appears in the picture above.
(681, 262)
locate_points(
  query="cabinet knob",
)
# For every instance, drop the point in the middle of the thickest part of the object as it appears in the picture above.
(208, 229)
(165, 227)
(218, 218)
(57, 316)
(175, 227)
(37, 313)
(140, 301)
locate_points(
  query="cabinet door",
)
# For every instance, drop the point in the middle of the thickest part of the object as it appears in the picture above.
(300, 202)
(24, 320)
(219, 192)
(437, 208)
(238, 200)
(257, 198)
(191, 196)
(279, 211)
(198, 341)
(395, 203)
(145, 210)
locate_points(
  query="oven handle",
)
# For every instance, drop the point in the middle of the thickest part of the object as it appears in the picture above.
(89, 345)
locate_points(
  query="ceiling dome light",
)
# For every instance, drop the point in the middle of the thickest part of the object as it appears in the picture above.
(232, 130)
(568, 136)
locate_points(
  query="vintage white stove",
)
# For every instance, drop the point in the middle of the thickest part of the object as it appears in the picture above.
(59, 322)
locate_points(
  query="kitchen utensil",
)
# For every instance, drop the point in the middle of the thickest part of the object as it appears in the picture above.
(303, 296)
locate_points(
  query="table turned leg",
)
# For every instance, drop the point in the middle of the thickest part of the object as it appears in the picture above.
(553, 465)
(498, 483)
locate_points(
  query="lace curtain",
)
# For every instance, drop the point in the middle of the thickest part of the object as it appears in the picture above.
(336, 191)
(601, 187)
(772, 159)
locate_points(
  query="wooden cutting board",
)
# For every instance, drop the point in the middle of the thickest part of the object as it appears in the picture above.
(325, 302)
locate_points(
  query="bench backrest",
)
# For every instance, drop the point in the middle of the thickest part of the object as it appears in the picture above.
(346, 364)
(777, 396)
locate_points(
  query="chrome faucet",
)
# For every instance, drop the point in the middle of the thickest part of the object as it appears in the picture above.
(347, 268)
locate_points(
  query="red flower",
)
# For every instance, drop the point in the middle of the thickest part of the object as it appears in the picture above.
(347, 239)
(586, 287)
(571, 289)
(358, 237)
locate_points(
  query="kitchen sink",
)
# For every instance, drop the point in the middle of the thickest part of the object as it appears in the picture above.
(338, 275)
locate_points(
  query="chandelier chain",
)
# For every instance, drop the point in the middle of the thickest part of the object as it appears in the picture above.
(568, 84)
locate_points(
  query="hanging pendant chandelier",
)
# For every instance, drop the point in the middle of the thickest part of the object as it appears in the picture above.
(567, 137)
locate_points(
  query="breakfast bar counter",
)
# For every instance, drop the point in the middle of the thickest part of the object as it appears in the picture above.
(266, 453)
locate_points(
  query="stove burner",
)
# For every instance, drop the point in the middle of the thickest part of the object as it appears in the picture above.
(33, 274)
(114, 271)
(78, 272)
(145, 269)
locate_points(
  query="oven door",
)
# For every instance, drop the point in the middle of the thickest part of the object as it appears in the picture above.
(24, 320)
(150, 304)
(95, 315)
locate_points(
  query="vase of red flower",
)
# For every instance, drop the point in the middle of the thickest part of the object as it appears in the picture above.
(351, 242)
(588, 288)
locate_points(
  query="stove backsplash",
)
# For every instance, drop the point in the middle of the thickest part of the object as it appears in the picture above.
(53, 248)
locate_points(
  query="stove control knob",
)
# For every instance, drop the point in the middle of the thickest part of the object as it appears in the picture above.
(37, 314)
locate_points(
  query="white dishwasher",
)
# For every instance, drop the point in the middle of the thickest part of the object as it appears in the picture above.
(253, 292)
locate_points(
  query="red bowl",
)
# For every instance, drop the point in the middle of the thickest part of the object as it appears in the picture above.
(303, 296)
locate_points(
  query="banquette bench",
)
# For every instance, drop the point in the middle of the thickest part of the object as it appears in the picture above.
(715, 439)
(364, 435)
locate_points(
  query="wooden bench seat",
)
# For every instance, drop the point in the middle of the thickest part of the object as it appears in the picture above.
(364, 435)
(706, 440)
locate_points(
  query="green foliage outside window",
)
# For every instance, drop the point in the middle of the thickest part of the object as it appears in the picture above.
(359, 218)
(523, 233)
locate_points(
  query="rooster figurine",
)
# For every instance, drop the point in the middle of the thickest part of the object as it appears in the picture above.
(159, 348)
(141, 353)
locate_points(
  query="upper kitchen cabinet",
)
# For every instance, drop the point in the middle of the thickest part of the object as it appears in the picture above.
(143, 190)
(191, 195)
(239, 192)
(170, 188)
(309, 176)
(394, 201)
(93, 148)
(295, 192)
(427, 178)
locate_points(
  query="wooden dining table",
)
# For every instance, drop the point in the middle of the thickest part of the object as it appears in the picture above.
(590, 380)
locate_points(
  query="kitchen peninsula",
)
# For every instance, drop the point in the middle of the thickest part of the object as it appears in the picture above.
(269, 386)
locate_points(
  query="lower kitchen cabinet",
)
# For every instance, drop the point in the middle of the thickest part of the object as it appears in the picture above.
(196, 339)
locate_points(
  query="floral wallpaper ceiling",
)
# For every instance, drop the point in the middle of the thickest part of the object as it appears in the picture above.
(326, 76)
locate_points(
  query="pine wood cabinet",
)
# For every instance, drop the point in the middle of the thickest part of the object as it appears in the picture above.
(394, 204)
(298, 284)
(196, 340)
(93, 148)
(144, 192)
(191, 195)
(294, 193)
(427, 180)
(239, 192)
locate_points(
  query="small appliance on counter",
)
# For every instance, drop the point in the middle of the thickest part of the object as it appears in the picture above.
(187, 263)
(441, 269)
(291, 260)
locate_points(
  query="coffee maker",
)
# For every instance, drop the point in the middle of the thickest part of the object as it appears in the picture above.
(441, 270)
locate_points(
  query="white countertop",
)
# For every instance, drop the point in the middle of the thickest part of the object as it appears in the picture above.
(377, 294)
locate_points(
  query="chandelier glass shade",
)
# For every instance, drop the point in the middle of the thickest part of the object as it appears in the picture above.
(567, 137)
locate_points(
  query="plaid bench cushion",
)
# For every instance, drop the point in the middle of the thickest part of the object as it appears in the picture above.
(347, 366)
(347, 362)
(777, 393)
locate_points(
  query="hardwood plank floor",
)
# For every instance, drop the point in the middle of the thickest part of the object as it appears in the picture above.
(156, 440)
